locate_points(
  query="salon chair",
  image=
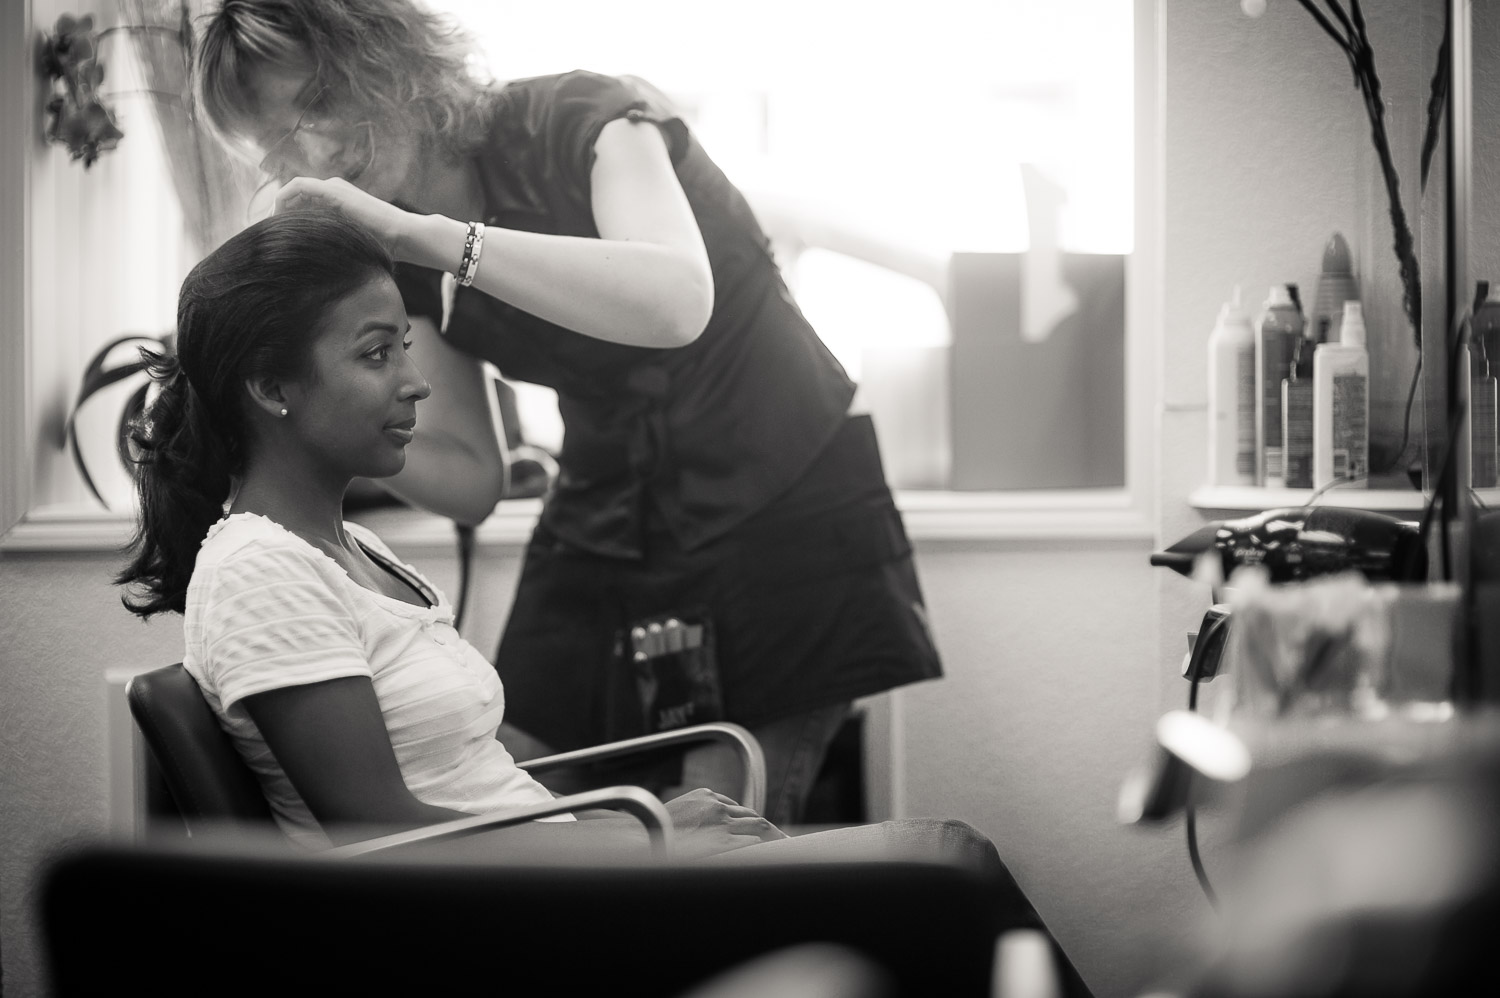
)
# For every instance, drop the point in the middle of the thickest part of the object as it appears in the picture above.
(193, 773)
(417, 912)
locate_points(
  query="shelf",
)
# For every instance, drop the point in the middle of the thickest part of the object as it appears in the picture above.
(1253, 499)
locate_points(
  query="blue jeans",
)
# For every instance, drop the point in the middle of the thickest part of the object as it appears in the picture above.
(794, 748)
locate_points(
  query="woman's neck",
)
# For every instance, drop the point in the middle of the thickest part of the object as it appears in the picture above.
(312, 510)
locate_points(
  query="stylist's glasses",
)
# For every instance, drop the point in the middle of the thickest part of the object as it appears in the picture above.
(319, 144)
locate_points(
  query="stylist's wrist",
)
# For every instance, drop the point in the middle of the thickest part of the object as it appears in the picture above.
(434, 241)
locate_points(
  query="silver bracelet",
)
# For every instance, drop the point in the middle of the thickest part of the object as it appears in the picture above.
(473, 246)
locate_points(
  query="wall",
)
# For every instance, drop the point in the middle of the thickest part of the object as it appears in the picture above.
(1049, 700)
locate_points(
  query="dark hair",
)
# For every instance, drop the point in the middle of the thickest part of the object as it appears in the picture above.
(389, 60)
(251, 308)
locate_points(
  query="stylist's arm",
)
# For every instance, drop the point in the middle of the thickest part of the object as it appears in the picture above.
(644, 282)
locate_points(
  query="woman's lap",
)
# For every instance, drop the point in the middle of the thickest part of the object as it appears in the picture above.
(917, 839)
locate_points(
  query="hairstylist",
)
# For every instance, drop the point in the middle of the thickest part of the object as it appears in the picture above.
(710, 474)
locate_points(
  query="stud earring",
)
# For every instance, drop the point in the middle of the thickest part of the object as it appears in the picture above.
(283, 411)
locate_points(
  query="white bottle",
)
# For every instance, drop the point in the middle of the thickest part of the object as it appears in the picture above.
(1341, 404)
(1231, 397)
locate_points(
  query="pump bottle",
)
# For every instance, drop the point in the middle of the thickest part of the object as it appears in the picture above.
(1341, 404)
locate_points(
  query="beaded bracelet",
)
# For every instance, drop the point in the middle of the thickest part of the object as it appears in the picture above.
(473, 246)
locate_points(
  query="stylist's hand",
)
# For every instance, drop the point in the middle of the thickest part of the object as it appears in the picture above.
(707, 823)
(382, 218)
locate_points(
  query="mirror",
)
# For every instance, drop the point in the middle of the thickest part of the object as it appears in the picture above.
(1476, 211)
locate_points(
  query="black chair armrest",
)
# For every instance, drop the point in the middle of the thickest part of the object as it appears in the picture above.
(634, 801)
(753, 793)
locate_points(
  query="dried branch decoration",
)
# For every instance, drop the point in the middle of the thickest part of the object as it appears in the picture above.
(1351, 35)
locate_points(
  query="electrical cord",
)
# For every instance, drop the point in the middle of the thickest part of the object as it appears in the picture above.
(1191, 823)
(1312, 500)
(1411, 395)
(1190, 810)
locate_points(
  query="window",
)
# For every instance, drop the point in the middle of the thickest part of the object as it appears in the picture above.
(952, 188)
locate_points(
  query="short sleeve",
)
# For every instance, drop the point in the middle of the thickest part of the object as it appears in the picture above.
(272, 620)
(583, 103)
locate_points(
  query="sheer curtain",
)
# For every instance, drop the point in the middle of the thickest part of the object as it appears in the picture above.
(213, 187)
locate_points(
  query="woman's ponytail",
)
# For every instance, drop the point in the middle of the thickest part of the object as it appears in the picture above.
(184, 469)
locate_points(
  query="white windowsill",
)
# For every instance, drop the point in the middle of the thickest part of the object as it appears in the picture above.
(1249, 498)
(1103, 514)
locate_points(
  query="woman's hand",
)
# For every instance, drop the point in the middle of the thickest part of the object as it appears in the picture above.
(386, 221)
(708, 823)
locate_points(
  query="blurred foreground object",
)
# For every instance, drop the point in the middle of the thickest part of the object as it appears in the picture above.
(1341, 645)
(1365, 865)
(646, 928)
(1194, 759)
(812, 971)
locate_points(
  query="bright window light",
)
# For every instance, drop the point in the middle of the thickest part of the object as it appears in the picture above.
(917, 116)
(936, 128)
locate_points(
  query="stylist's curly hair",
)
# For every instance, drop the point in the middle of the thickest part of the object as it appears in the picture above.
(383, 60)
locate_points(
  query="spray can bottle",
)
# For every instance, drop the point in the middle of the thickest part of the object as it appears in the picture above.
(1297, 406)
(1279, 330)
(1231, 397)
(1336, 285)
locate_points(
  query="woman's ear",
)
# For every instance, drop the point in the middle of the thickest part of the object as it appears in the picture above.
(267, 395)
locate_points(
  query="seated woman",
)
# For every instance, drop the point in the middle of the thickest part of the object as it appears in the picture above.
(335, 668)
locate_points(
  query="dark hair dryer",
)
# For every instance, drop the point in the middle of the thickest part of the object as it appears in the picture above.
(1300, 542)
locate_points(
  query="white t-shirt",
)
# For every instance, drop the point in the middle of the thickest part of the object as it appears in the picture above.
(266, 610)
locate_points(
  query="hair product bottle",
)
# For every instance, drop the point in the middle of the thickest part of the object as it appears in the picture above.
(1280, 330)
(1484, 354)
(1341, 404)
(1297, 409)
(1231, 397)
(1336, 285)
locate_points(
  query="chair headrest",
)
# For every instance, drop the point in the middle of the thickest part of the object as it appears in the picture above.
(208, 780)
